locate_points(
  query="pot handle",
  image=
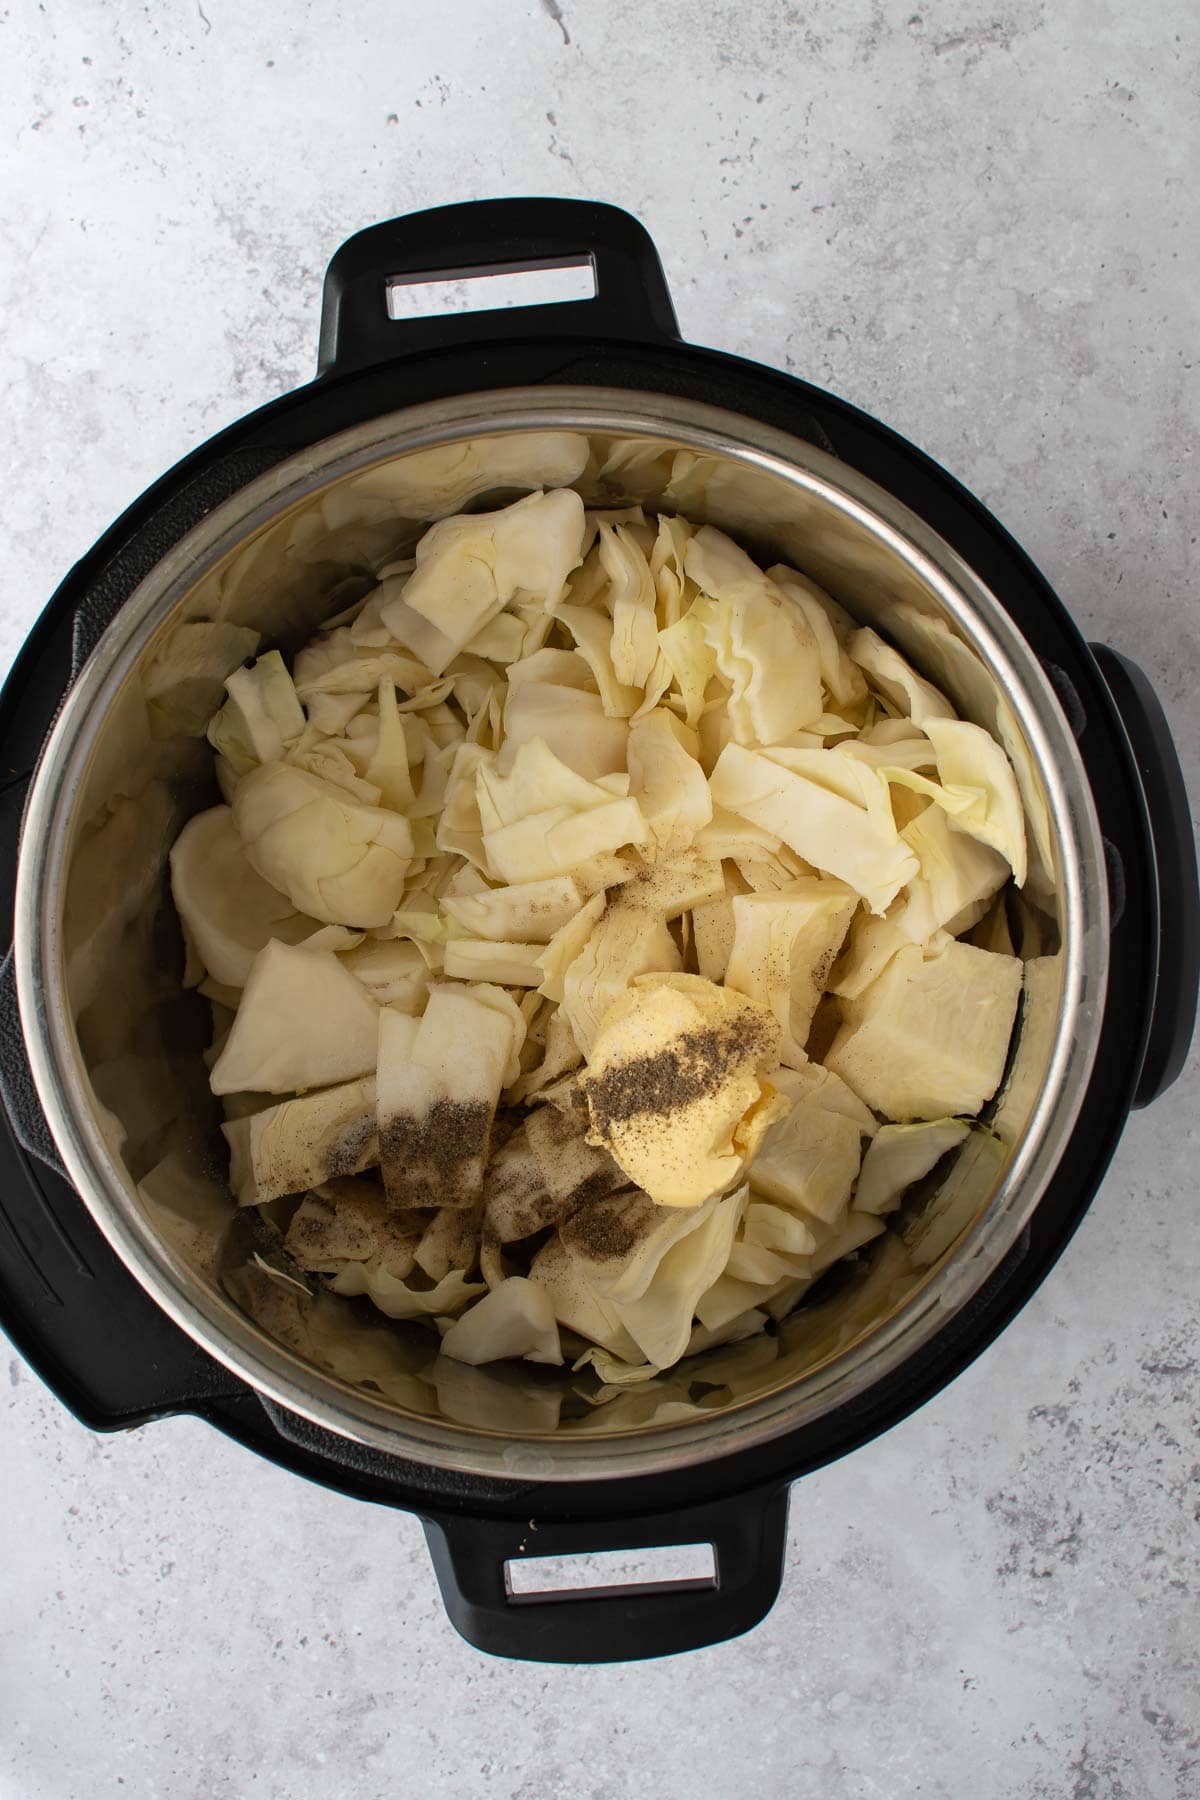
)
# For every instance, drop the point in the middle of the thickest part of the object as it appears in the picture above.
(472, 1557)
(1171, 873)
(491, 237)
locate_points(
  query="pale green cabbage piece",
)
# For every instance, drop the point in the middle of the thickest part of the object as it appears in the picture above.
(830, 627)
(557, 668)
(532, 911)
(501, 641)
(577, 1303)
(897, 680)
(350, 1221)
(624, 942)
(848, 833)
(262, 717)
(634, 646)
(958, 876)
(439, 1079)
(537, 781)
(227, 909)
(764, 647)
(558, 841)
(967, 757)
(712, 936)
(898, 1155)
(667, 568)
(962, 671)
(303, 1022)
(644, 1231)
(487, 959)
(459, 828)
(515, 1319)
(393, 972)
(870, 947)
(399, 1300)
(784, 946)
(672, 886)
(592, 631)
(572, 724)
(388, 768)
(335, 858)
(299, 1144)
(469, 568)
(929, 1037)
(691, 659)
(660, 1322)
(667, 781)
(809, 1161)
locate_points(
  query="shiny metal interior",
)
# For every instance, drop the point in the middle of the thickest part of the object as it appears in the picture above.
(116, 1044)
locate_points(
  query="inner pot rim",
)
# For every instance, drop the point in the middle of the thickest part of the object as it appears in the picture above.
(207, 1315)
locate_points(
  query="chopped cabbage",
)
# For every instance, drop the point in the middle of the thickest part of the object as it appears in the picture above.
(573, 725)
(399, 1300)
(624, 943)
(556, 842)
(228, 910)
(336, 859)
(485, 959)
(809, 1160)
(845, 833)
(898, 1155)
(301, 1143)
(958, 876)
(470, 567)
(667, 781)
(592, 633)
(839, 672)
(967, 758)
(691, 659)
(551, 764)
(500, 641)
(870, 947)
(350, 1221)
(529, 910)
(712, 934)
(556, 668)
(763, 646)
(929, 1037)
(634, 647)
(388, 768)
(303, 1022)
(439, 1079)
(544, 1172)
(784, 945)
(262, 717)
(515, 1319)
(566, 945)
(897, 680)
(660, 1322)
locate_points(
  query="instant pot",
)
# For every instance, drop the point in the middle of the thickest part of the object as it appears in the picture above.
(136, 1296)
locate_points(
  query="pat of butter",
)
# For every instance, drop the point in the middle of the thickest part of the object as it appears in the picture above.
(677, 1085)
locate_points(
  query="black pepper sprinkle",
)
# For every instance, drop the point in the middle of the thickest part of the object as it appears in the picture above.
(671, 1079)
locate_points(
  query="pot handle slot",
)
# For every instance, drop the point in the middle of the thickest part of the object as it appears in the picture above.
(489, 238)
(1170, 874)
(473, 1559)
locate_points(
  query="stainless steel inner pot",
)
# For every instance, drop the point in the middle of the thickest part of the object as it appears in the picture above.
(115, 1044)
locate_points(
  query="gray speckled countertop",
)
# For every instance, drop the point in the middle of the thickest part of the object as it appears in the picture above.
(979, 222)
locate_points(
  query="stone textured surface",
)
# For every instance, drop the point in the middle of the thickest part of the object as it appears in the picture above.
(977, 221)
